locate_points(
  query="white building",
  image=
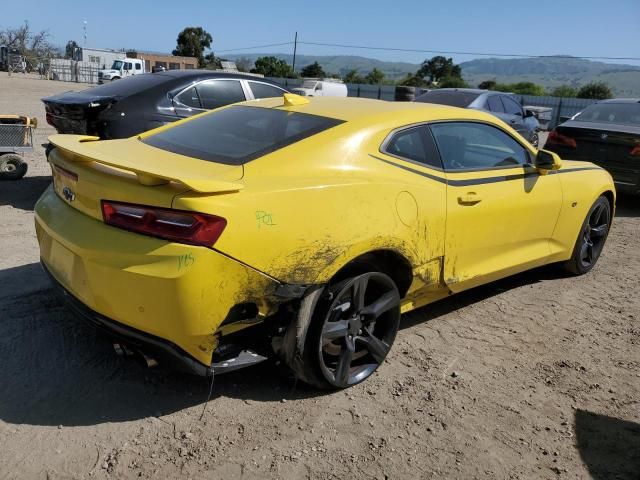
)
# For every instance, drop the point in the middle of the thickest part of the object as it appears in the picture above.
(104, 57)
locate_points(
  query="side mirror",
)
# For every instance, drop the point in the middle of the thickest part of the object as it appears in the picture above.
(546, 160)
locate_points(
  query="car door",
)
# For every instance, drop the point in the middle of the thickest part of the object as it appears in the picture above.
(501, 212)
(515, 115)
(207, 95)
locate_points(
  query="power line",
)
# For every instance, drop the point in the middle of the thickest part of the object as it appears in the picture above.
(442, 52)
(257, 46)
(484, 54)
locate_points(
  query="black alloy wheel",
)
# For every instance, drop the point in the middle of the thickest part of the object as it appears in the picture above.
(594, 234)
(358, 328)
(591, 239)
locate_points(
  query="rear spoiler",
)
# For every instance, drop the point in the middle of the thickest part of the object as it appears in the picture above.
(148, 172)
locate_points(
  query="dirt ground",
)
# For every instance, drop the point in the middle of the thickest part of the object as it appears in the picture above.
(536, 376)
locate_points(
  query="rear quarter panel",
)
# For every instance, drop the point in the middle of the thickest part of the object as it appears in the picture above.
(308, 209)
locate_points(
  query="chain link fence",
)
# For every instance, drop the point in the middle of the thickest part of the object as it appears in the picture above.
(15, 138)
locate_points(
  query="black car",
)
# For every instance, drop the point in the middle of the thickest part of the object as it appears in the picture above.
(606, 133)
(139, 103)
(500, 104)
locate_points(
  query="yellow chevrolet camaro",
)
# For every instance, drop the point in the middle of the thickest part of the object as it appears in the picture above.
(305, 227)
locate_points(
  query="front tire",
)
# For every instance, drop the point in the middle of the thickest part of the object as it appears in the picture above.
(12, 167)
(353, 327)
(591, 239)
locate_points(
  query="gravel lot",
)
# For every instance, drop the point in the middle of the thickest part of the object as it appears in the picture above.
(536, 376)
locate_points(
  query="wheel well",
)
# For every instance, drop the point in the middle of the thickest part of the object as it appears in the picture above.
(609, 196)
(388, 262)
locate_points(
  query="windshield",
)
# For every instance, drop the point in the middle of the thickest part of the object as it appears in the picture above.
(309, 84)
(448, 97)
(621, 113)
(237, 135)
(117, 65)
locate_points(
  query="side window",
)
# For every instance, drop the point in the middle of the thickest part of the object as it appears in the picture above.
(415, 144)
(128, 66)
(138, 66)
(465, 146)
(494, 104)
(262, 90)
(189, 98)
(218, 93)
(511, 106)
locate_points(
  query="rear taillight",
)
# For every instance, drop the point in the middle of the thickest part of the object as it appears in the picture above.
(174, 225)
(559, 139)
(635, 151)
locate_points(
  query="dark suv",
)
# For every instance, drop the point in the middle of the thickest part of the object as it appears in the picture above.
(139, 103)
(500, 104)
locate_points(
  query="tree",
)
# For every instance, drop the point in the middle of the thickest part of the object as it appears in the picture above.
(487, 85)
(353, 76)
(192, 42)
(211, 62)
(452, 82)
(521, 88)
(70, 49)
(413, 80)
(29, 43)
(439, 67)
(243, 64)
(566, 91)
(596, 91)
(272, 67)
(314, 71)
(374, 77)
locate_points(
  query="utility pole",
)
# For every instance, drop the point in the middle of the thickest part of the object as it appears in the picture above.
(295, 47)
(85, 32)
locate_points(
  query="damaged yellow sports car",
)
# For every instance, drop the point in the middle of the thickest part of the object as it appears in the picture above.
(305, 227)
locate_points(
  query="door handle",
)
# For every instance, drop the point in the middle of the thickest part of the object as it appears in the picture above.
(470, 198)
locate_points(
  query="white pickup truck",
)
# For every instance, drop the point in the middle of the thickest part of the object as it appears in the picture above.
(121, 69)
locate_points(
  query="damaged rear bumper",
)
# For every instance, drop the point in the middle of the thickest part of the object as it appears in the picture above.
(162, 349)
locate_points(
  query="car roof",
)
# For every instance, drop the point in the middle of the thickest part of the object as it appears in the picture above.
(621, 100)
(199, 73)
(479, 91)
(373, 111)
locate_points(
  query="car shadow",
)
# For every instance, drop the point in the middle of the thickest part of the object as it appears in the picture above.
(57, 370)
(474, 295)
(627, 205)
(24, 193)
(609, 447)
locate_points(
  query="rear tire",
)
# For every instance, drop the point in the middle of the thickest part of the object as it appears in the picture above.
(12, 167)
(353, 326)
(591, 239)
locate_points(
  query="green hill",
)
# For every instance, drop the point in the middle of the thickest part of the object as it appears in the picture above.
(624, 80)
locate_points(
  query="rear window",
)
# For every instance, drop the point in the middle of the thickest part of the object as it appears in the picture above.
(621, 113)
(237, 135)
(130, 85)
(448, 97)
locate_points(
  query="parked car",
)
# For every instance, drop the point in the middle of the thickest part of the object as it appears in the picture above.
(606, 133)
(321, 87)
(305, 227)
(133, 105)
(500, 104)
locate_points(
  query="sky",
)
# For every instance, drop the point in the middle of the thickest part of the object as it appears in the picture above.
(609, 28)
